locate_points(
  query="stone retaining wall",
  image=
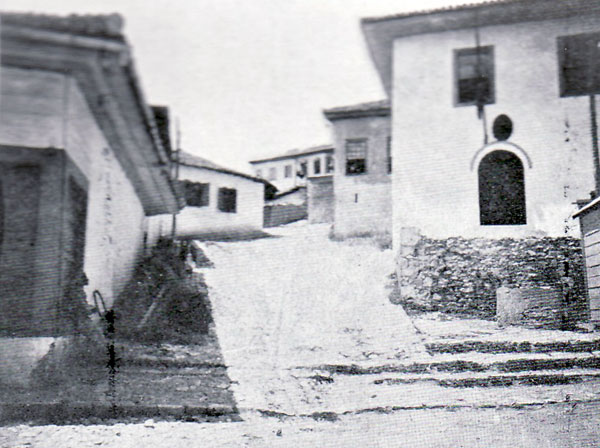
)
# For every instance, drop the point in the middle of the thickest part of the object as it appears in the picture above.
(461, 276)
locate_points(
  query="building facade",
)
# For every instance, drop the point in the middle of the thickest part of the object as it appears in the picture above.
(290, 170)
(494, 136)
(81, 167)
(469, 105)
(219, 201)
(361, 183)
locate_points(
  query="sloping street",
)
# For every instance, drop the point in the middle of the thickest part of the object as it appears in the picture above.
(318, 356)
(301, 300)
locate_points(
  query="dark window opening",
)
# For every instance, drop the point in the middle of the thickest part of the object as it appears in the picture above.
(227, 200)
(474, 71)
(502, 127)
(356, 157)
(303, 169)
(501, 190)
(329, 164)
(317, 166)
(389, 154)
(579, 64)
(196, 194)
(288, 171)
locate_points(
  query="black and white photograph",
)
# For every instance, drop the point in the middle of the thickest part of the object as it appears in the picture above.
(299, 223)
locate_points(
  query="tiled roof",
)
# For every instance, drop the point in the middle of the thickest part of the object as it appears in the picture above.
(464, 6)
(294, 153)
(101, 25)
(373, 108)
(187, 159)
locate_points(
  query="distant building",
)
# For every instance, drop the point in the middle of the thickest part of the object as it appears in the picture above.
(290, 170)
(361, 184)
(81, 167)
(218, 200)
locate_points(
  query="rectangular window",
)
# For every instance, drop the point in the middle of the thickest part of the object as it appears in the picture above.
(317, 166)
(303, 169)
(474, 74)
(356, 156)
(329, 164)
(288, 171)
(196, 194)
(258, 173)
(579, 64)
(272, 173)
(227, 200)
(389, 154)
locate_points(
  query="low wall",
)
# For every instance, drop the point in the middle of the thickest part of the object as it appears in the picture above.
(462, 276)
(275, 215)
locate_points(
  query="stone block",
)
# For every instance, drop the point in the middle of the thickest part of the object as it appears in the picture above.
(539, 307)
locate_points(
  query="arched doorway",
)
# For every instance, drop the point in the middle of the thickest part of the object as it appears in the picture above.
(501, 189)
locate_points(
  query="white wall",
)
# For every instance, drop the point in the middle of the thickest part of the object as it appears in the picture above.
(43, 109)
(281, 182)
(362, 201)
(434, 142)
(209, 219)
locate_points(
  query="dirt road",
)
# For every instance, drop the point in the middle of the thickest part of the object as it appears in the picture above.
(301, 300)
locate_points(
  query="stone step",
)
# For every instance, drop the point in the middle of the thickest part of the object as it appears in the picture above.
(485, 379)
(473, 362)
(483, 346)
(345, 393)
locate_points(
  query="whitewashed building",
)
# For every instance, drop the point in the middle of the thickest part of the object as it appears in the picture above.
(494, 135)
(362, 180)
(81, 168)
(219, 201)
(484, 91)
(291, 169)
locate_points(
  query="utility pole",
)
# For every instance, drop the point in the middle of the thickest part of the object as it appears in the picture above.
(479, 87)
(594, 132)
(175, 169)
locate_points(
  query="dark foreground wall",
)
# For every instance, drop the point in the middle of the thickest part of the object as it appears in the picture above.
(461, 276)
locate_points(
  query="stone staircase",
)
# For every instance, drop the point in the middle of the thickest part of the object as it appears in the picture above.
(471, 364)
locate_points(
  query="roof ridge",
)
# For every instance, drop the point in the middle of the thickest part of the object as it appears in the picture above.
(96, 25)
(295, 153)
(424, 12)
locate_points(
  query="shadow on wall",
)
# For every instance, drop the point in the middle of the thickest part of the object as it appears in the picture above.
(248, 234)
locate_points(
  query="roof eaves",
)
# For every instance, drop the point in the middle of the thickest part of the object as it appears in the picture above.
(225, 171)
(305, 152)
(587, 208)
(372, 109)
(381, 32)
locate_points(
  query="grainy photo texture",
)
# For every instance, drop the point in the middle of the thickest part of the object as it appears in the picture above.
(285, 223)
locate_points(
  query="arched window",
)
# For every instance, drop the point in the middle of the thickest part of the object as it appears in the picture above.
(501, 190)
